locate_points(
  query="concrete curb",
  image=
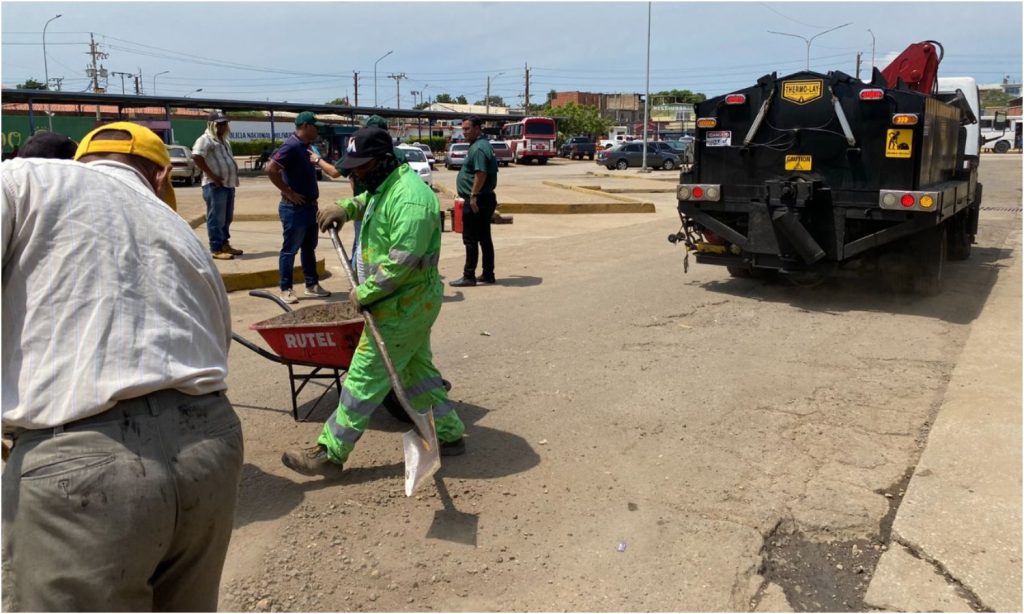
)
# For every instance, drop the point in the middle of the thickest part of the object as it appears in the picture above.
(251, 280)
(628, 205)
(633, 176)
(594, 190)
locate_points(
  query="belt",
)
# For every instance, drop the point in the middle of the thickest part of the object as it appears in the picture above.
(148, 404)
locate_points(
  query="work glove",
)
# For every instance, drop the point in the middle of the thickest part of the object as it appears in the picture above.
(353, 298)
(330, 217)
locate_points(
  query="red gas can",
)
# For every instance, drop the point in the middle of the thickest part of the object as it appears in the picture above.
(460, 203)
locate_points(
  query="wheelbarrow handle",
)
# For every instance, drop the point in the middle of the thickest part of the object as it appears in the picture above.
(421, 422)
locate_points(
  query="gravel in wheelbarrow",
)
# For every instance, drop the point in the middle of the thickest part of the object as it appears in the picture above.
(322, 335)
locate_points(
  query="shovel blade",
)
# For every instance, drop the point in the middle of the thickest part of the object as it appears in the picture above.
(422, 459)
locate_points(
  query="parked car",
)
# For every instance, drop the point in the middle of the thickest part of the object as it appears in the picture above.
(659, 155)
(683, 147)
(456, 155)
(183, 167)
(502, 152)
(577, 147)
(428, 152)
(418, 162)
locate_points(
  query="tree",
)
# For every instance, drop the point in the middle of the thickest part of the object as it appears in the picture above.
(32, 84)
(461, 100)
(574, 119)
(684, 96)
(341, 102)
(495, 101)
(444, 98)
(422, 105)
(995, 99)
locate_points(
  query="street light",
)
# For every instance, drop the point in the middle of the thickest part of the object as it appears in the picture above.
(46, 69)
(192, 92)
(808, 40)
(487, 99)
(154, 79)
(647, 92)
(375, 76)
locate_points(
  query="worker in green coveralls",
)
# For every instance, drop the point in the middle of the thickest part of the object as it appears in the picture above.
(400, 243)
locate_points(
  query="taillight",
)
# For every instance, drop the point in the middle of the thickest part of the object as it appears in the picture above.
(704, 192)
(735, 99)
(904, 119)
(907, 200)
(698, 192)
(707, 122)
(872, 94)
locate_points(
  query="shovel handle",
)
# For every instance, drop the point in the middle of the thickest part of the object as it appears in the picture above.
(420, 421)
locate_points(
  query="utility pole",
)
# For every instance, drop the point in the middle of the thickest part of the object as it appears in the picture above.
(858, 65)
(94, 72)
(138, 82)
(57, 82)
(526, 98)
(122, 75)
(355, 85)
(398, 89)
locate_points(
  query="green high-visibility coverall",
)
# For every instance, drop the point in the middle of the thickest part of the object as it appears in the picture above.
(400, 241)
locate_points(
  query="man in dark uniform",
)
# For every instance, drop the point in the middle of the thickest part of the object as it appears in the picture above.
(475, 184)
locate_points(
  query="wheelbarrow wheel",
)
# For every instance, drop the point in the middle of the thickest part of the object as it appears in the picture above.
(394, 408)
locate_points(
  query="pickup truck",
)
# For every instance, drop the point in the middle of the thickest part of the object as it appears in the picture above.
(577, 147)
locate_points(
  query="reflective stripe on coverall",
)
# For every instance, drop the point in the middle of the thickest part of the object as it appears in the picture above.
(400, 242)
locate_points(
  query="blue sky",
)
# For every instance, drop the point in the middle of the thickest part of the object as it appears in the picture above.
(306, 52)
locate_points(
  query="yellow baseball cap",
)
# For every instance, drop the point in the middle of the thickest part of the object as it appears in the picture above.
(143, 143)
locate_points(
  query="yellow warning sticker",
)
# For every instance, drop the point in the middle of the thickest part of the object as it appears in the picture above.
(898, 143)
(798, 163)
(801, 92)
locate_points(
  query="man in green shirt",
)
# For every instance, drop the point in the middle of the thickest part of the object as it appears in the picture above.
(475, 184)
(400, 243)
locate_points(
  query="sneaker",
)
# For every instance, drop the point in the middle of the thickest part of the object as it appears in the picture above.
(487, 279)
(289, 297)
(221, 255)
(463, 282)
(453, 448)
(234, 252)
(317, 291)
(311, 461)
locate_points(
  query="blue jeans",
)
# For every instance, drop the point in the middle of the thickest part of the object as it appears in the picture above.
(300, 233)
(220, 210)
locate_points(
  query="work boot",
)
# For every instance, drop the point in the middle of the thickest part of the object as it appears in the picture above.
(221, 255)
(289, 297)
(463, 282)
(234, 252)
(453, 448)
(316, 291)
(311, 461)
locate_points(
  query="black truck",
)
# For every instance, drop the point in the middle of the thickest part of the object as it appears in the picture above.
(577, 147)
(804, 174)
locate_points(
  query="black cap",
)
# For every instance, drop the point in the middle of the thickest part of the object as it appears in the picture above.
(370, 144)
(49, 145)
(218, 117)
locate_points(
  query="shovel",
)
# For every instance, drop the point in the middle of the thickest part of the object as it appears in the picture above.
(422, 454)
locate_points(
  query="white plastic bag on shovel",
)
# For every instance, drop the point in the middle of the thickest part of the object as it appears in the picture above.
(422, 454)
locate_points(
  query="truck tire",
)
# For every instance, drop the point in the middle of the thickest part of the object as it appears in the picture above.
(590, 156)
(1001, 146)
(742, 272)
(928, 259)
(959, 247)
(542, 161)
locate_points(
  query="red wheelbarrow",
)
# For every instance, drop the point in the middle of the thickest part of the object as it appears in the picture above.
(311, 351)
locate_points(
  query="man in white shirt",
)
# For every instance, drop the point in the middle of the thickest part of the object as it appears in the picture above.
(212, 153)
(119, 493)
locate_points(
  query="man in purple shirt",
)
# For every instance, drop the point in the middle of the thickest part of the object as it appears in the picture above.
(292, 172)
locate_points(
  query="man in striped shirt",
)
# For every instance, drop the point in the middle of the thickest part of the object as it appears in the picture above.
(212, 153)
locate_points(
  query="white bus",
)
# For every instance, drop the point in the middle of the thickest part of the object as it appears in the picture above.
(999, 132)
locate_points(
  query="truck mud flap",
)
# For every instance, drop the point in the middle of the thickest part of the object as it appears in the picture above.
(788, 224)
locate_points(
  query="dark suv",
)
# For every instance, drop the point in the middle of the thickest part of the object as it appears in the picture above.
(659, 155)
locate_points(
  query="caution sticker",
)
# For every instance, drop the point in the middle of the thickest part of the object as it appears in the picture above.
(718, 138)
(798, 163)
(898, 143)
(802, 92)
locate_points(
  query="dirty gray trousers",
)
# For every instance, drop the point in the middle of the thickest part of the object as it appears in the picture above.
(130, 510)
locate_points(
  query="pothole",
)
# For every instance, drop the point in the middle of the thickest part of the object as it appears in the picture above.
(828, 576)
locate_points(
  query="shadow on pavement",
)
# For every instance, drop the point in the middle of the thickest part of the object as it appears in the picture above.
(967, 286)
(519, 281)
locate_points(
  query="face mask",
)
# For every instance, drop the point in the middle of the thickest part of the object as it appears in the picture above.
(377, 176)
